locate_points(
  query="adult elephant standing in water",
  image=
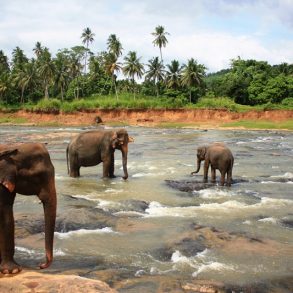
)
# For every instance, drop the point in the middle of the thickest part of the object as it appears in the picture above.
(219, 157)
(26, 169)
(93, 147)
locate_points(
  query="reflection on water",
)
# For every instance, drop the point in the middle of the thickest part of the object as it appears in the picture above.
(145, 227)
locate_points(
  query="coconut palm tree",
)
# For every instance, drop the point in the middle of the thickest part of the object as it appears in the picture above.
(173, 75)
(114, 45)
(24, 77)
(87, 37)
(4, 85)
(46, 70)
(4, 66)
(61, 72)
(18, 59)
(111, 66)
(160, 38)
(155, 72)
(38, 49)
(192, 75)
(75, 69)
(133, 68)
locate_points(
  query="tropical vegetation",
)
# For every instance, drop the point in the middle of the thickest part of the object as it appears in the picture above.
(77, 78)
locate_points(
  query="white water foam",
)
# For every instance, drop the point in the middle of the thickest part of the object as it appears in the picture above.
(82, 232)
(107, 205)
(268, 220)
(287, 175)
(213, 266)
(32, 252)
(213, 193)
(156, 209)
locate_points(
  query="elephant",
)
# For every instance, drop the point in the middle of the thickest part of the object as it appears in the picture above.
(25, 168)
(93, 147)
(219, 157)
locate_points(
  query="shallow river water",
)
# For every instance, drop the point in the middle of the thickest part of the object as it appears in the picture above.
(143, 226)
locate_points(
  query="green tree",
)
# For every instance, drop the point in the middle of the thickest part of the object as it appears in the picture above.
(87, 38)
(61, 64)
(114, 46)
(46, 70)
(160, 38)
(133, 68)
(173, 75)
(24, 77)
(4, 86)
(38, 49)
(4, 66)
(192, 75)
(155, 72)
(18, 59)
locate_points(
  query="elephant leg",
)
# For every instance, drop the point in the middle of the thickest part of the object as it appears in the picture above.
(106, 167)
(112, 167)
(222, 182)
(213, 170)
(74, 166)
(229, 177)
(205, 172)
(48, 198)
(7, 245)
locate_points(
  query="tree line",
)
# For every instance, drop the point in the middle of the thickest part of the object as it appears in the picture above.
(79, 73)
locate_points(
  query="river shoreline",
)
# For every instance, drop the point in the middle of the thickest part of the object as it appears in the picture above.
(192, 118)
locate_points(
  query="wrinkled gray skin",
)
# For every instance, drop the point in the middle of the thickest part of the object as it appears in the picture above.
(93, 147)
(219, 157)
(25, 169)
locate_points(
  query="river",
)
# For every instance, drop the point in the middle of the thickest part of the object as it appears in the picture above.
(143, 227)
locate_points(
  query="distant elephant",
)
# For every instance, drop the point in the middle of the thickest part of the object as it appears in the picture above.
(26, 169)
(219, 157)
(93, 147)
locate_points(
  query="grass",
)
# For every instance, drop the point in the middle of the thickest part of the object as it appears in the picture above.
(12, 120)
(261, 124)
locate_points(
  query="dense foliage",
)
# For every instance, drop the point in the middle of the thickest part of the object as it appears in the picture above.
(76, 78)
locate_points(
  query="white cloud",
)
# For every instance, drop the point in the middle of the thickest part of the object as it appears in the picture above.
(59, 24)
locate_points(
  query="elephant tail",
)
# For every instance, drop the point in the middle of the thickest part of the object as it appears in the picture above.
(67, 149)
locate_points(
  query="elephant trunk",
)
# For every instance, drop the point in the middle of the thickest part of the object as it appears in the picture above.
(198, 167)
(124, 162)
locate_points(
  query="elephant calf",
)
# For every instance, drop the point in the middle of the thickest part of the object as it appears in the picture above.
(26, 169)
(93, 147)
(219, 157)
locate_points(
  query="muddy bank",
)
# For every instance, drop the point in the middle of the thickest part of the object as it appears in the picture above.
(205, 117)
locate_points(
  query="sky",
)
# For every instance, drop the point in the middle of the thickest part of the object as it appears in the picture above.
(213, 32)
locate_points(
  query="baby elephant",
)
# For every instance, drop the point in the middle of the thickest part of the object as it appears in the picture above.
(219, 157)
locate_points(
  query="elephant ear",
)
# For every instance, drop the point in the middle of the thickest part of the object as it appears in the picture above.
(7, 170)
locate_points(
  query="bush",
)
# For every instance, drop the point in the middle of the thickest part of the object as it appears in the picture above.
(287, 102)
(48, 106)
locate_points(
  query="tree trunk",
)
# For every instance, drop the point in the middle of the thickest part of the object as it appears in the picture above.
(46, 92)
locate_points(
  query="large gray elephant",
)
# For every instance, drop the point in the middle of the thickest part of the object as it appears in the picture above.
(93, 147)
(219, 157)
(26, 169)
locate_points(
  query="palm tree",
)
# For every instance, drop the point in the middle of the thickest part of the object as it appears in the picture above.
(114, 45)
(173, 75)
(75, 68)
(61, 72)
(4, 85)
(111, 61)
(25, 77)
(4, 66)
(111, 66)
(18, 58)
(192, 75)
(87, 37)
(155, 72)
(38, 49)
(132, 67)
(46, 70)
(160, 38)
